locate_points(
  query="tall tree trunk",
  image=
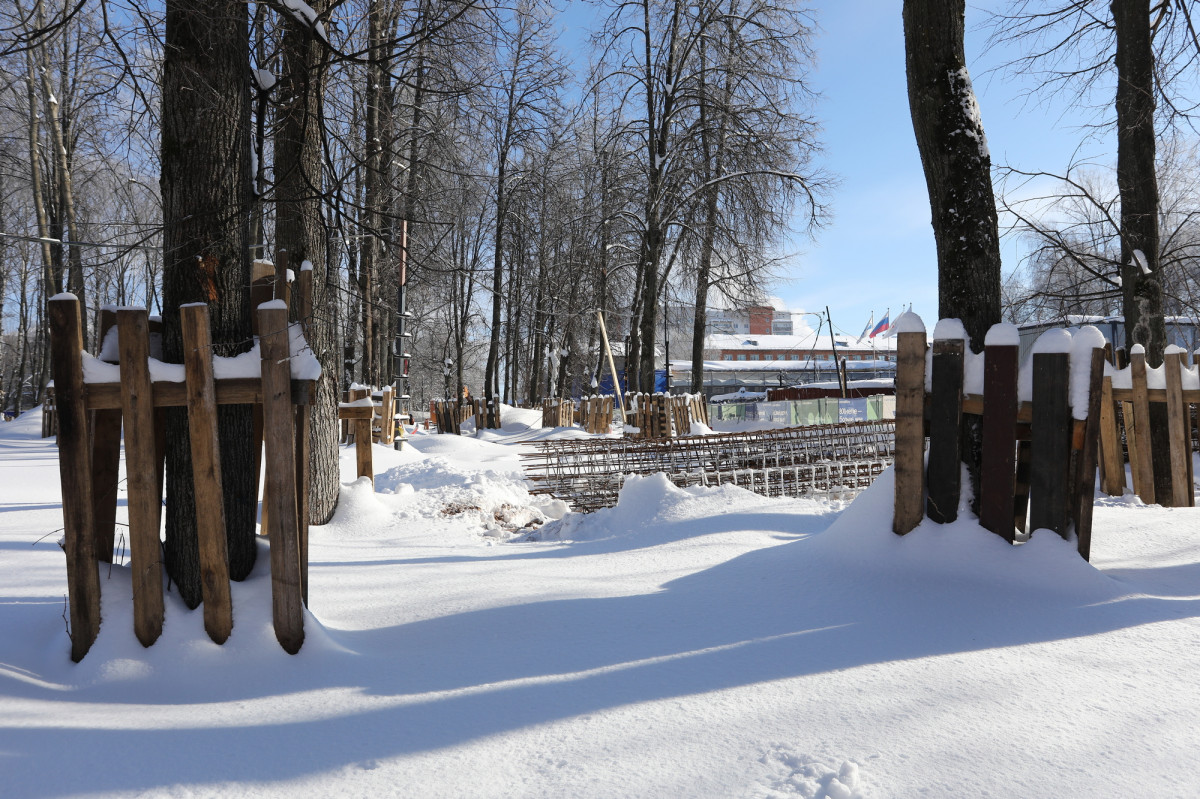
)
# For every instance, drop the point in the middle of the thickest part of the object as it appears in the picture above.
(300, 229)
(1141, 284)
(957, 164)
(207, 196)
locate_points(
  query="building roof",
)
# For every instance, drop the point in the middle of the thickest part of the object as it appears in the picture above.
(800, 344)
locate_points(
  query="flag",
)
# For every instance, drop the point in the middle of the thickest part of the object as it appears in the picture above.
(867, 329)
(883, 325)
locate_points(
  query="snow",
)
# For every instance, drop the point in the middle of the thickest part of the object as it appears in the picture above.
(951, 329)
(1003, 335)
(466, 638)
(264, 79)
(907, 322)
(1139, 259)
(304, 13)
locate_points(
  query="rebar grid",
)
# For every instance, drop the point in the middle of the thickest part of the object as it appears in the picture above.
(797, 461)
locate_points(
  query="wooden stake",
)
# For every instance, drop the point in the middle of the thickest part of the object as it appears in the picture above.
(74, 471)
(1085, 476)
(945, 427)
(286, 599)
(145, 505)
(612, 369)
(909, 498)
(206, 472)
(998, 476)
(1143, 474)
(1049, 479)
(1113, 483)
(1179, 433)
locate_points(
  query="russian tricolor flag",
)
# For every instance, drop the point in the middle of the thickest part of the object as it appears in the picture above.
(883, 325)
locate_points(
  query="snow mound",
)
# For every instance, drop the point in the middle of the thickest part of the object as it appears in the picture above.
(960, 556)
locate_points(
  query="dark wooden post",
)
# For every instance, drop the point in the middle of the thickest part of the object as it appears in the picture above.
(1085, 475)
(1050, 448)
(206, 471)
(909, 501)
(286, 602)
(998, 475)
(141, 470)
(74, 471)
(945, 429)
(106, 461)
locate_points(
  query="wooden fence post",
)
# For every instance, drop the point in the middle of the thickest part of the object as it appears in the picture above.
(145, 505)
(1143, 474)
(106, 461)
(945, 427)
(1085, 469)
(1050, 447)
(998, 473)
(206, 471)
(1110, 443)
(909, 500)
(74, 471)
(1179, 433)
(286, 602)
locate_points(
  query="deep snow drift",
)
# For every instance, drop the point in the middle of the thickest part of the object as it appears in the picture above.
(466, 639)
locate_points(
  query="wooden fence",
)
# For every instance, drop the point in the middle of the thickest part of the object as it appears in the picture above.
(557, 412)
(828, 459)
(89, 454)
(1038, 459)
(666, 415)
(1125, 422)
(449, 415)
(596, 414)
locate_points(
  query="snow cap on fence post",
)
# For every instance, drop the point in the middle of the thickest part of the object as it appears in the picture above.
(1083, 341)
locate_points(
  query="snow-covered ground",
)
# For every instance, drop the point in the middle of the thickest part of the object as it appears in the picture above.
(686, 643)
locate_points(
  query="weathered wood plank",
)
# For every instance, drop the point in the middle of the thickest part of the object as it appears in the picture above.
(106, 466)
(141, 474)
(1143, 474)
(206, 472)
(945, 431)
(909, 499)
(287, 604)
(74, 471)
(1110, 443)
(998, 477)
(1050, 448)
(106, 460)
(1179, 434)
(1085, 476)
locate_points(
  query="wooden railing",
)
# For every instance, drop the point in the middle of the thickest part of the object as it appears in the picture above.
(88, 457)
(1125, 415)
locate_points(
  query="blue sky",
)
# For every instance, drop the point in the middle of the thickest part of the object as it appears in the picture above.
(877, 252)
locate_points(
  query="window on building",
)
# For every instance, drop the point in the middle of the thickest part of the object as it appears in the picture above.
(741, 356)
(795, 356)
(727, 357)
(754, 357)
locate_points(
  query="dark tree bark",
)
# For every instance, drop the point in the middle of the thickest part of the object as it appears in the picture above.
(957, 165)
(207, 196)
(1137, 181)
(300, 229)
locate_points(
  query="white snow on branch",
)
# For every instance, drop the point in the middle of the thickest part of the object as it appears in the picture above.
(1139, 260)
(304, 13)
(264, 79)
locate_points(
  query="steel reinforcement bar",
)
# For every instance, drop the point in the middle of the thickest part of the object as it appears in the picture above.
(797, 461)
